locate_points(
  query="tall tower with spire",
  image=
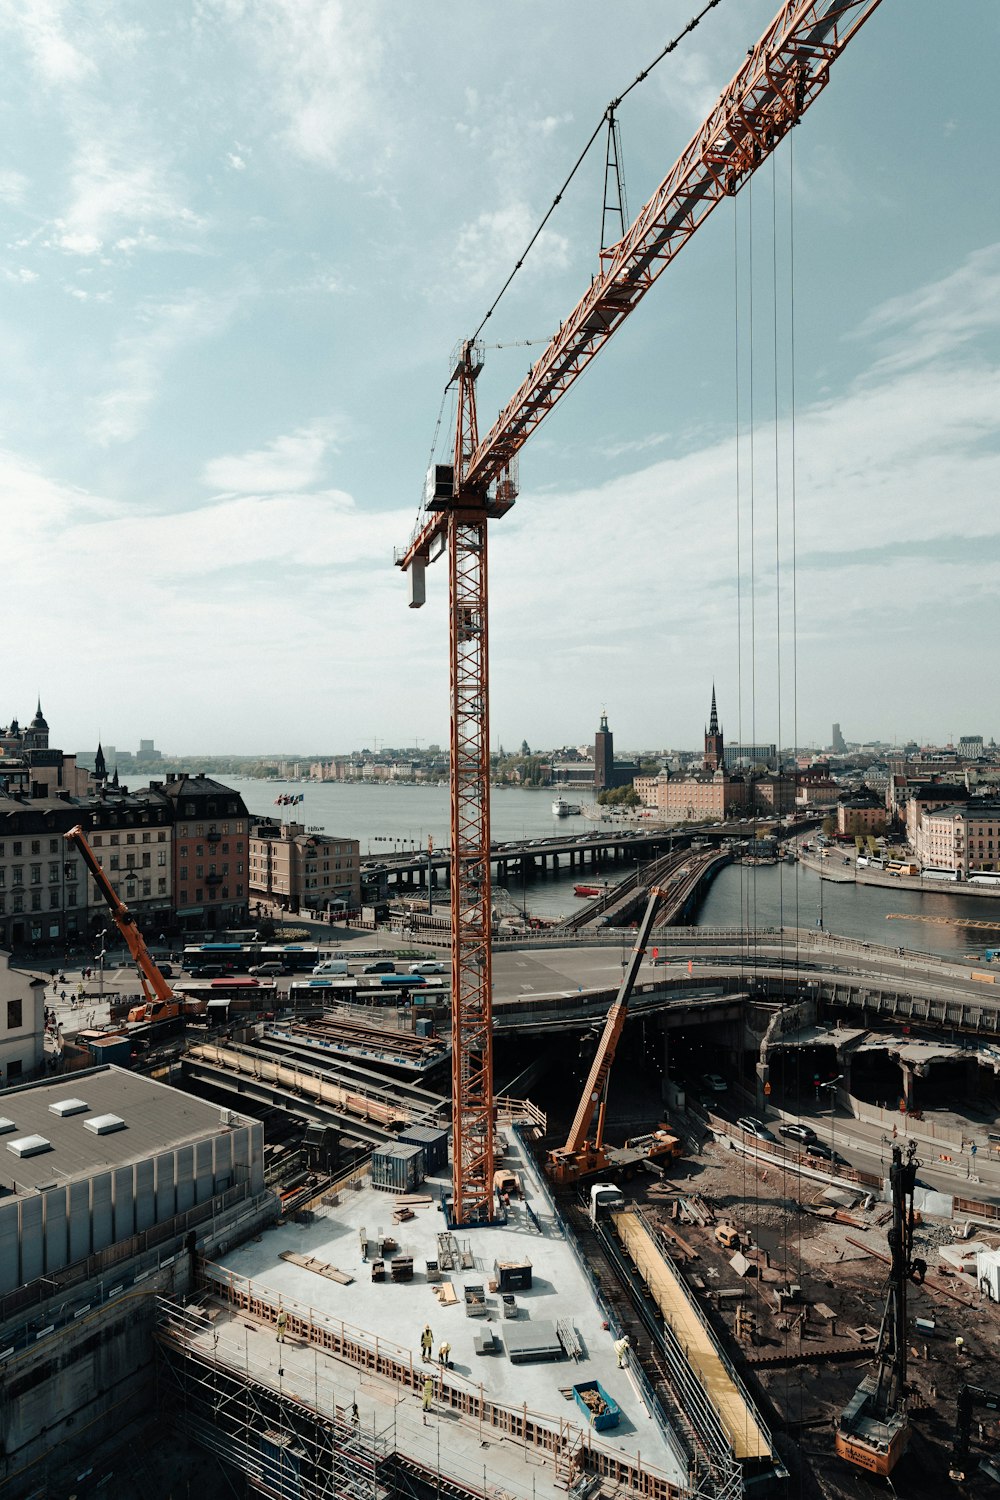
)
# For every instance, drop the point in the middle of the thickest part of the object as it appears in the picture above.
(604, 756)
(36, 736)
(714, 746)
(100, 766)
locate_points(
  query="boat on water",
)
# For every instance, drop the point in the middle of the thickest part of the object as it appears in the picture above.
(561, 809)
(587, 890)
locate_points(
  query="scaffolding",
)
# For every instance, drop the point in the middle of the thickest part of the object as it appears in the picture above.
(284, 1446)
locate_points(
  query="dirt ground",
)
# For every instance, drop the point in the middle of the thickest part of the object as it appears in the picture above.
(806, 1359)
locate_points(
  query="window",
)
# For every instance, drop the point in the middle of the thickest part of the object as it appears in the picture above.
(183, 872)
(161, 887)
(54, 900)
(3, 878)
(199, 871)
(145, 838)
(3, 905)
(199, 894)
(36, 847)
(16, 848)
(17, 903)
(71, 898)
(130, 838)
(161, 856)
(145, 861)
(36, 875)
(130, 859)
(13, 1070)
(200, 850)
(161, 838)
(36, 901)
(96, 841)
(113, 838)
(53, 846)
(147, 887)
(114, 861)
(71, 872)
(53, 874)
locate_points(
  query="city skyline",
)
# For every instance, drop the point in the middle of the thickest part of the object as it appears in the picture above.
(241, 242)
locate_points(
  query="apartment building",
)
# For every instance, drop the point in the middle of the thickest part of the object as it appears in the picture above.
(301, 870)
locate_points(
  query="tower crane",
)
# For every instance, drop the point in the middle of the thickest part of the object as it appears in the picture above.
(783, 74)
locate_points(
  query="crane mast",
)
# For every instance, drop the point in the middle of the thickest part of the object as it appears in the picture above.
(783, 74)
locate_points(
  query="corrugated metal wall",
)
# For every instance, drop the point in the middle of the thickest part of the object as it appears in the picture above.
(45, 1232)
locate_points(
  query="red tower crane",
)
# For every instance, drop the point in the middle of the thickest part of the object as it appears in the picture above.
(783, 74)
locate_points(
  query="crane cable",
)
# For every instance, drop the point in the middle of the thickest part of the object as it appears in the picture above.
(608, 114)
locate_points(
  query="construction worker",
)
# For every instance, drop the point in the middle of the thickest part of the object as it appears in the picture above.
(426, 1344)
(621, 1347)
(428, 1396)
(282, 1322)
(444, 1354)
(355, 1416)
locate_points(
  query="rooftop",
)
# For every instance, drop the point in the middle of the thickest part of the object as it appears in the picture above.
(397, 1311)
(156, 1118)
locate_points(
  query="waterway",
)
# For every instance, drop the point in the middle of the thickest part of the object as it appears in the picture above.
(388, 817)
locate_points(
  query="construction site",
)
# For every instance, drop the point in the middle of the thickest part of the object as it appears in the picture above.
(348, 1250)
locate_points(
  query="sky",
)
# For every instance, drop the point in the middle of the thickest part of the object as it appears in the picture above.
(242, 240)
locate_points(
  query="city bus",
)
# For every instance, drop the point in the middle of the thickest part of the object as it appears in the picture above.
(238, 994)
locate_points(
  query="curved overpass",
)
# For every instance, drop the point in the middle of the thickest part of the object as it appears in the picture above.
(539, 984)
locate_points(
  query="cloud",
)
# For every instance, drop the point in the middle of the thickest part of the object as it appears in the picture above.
(935, 321)
(321, 65)
(140, 359)
(56, 58)
(293, 462)
(13, 187)
(115, 194)
(487, 248)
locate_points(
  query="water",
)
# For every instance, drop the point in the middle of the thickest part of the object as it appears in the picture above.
(387, 816)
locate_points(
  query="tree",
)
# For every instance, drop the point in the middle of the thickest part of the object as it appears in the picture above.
(620, 796)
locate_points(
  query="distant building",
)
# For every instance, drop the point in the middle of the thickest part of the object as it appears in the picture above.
(608, 773)
(962, 836)
(970, 747)
(211, 828)
(837, 742)
(22, 1024)
(741, 757)
(862, 814)
(301, 870)
(709, 795)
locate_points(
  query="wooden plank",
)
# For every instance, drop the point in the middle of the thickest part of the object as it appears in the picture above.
(320, 1267)
(446, 1294)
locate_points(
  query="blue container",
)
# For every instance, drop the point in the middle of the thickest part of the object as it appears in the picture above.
(604, 1413)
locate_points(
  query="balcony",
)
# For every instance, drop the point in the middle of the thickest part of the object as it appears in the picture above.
(213, 834)
(212, 880)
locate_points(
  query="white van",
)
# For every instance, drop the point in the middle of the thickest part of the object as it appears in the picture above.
(332, 966)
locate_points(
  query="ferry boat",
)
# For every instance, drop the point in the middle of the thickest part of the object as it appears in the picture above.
(561, 809)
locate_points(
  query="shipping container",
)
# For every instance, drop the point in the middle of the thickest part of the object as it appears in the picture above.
(434, 1143)
(398, 1168)
(424, 1026)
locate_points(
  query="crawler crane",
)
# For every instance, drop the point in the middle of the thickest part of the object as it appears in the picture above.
(582, 1157)
(782, 75)
(874, 1429)
(161, 1002)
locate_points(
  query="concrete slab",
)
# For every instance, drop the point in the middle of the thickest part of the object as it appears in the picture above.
(399, 1311)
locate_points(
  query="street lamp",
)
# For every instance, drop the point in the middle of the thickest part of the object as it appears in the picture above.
(832, 1086)
(103, 935)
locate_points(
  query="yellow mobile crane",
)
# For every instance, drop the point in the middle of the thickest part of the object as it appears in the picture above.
(581, 1157)
(161, 1002)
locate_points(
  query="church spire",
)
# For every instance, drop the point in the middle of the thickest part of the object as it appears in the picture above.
(100, 765)
(713, 722)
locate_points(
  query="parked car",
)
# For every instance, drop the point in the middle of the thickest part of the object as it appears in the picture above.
(429, 966)
(380, 966)
(797, 1132)
(754, 1127)
(714, 1083)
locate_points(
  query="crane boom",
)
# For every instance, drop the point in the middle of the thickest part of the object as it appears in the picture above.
(784, 73)
(597, 1080)
(153, 983)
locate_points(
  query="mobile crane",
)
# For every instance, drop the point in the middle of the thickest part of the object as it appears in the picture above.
(874, 1429)
(782, 75)
(582, 1157)
(161, 1002)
